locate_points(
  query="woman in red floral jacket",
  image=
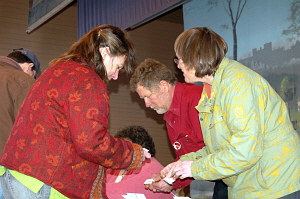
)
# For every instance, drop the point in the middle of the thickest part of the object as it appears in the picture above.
(60, 139)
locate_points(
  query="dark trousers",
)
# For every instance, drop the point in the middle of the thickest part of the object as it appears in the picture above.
(220, 190)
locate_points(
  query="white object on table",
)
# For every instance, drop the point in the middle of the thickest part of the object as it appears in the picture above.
(149, 181)
(134, 196)
(169, 180)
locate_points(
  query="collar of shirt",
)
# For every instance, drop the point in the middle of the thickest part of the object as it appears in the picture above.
(174, 108)
(208, 96)
(10, 62)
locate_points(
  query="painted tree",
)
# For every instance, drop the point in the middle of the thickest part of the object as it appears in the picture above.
(234, 12)
(287, 90)
(293, 30)
(298, 105)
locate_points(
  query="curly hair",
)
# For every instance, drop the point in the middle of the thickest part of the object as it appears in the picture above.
(138, 135)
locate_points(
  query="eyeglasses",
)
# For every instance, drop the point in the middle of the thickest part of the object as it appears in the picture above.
(176, 61)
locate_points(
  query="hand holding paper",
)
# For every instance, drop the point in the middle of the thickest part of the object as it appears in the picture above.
(169, 180)
(157, 184)
(146, 154)
(179, 169)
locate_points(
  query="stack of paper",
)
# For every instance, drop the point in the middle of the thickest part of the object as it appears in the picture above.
(142, 196)
(134, 196)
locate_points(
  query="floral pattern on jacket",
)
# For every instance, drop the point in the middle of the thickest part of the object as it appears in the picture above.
(250, 142)
(61, 134)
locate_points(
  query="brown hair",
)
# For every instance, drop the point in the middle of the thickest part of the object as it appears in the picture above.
(88, 46)
(19, 57)
(149, 73)
(202, 49)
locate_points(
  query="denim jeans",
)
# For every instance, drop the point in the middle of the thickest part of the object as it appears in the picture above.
(1, 193)
(13, 189)
(220, 191)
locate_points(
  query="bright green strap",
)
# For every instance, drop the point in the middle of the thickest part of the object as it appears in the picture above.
(56, 195)
(2, 170)
(32, 183)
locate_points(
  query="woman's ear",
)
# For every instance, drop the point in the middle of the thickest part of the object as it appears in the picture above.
(104, 51)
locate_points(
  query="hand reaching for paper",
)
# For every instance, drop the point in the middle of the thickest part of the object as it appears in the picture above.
(146, 154)
(179, 169)
(159, 185)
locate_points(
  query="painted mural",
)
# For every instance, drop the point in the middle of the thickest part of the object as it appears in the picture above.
(263, 35)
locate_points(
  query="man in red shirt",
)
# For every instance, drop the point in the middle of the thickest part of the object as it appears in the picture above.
(157, 85)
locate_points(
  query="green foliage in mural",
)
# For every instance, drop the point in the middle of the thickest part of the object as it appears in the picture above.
(287, 88)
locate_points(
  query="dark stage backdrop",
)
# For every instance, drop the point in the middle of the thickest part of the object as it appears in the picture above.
(122, 13)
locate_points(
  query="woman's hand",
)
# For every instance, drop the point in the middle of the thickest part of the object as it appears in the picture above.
(146, 154)
(179, 169)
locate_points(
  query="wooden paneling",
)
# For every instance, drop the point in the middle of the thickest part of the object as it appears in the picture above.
(47, 42)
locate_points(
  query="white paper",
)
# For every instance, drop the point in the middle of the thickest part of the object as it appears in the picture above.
(169, 180)
(134, 196)
(149, 181)
(140, 196)
(127, 197)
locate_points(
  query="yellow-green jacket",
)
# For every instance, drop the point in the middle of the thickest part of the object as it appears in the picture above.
(250, 142)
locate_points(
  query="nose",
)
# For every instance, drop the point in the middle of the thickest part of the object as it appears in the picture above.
(179, 65)
(115, 75)
(147, 102)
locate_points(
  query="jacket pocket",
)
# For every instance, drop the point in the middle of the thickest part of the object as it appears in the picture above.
(185, 143)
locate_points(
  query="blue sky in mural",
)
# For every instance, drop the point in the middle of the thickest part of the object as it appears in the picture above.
(262, 21)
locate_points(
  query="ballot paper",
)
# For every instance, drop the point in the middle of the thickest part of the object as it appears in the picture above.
(169, 180)
(134, 196)
(149, 181)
